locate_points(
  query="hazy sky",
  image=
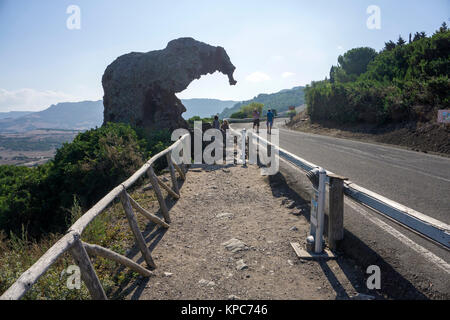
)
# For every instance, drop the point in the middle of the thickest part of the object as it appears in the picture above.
(273, 44)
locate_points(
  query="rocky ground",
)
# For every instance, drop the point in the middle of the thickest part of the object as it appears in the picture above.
(230, 239)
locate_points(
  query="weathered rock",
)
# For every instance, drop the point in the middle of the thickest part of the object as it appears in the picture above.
(240, 265)
(139, 88)
(296, 212)
(225, 215)
(290, 204)
(204, 282)
(235, 245)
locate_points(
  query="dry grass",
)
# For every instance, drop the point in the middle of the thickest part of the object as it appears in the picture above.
(110, 229)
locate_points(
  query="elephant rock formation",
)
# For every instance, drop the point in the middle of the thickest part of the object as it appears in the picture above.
(139, 88)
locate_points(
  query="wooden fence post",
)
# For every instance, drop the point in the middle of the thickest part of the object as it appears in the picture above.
(180, 171)
(88, 274)
(135, 229)
(159, 196)
(172, 172)
(168, 189)
(145, 213)
(109, 254)
(336, 214)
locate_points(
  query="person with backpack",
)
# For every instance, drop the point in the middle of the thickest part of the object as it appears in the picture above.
(270, 117)
(256, 120)
(216, 123)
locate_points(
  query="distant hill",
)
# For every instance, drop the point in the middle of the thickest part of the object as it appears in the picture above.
(14, 114)
(67, 115)
(205, 107)
(89, 114)
(298, 109)
(281, 101)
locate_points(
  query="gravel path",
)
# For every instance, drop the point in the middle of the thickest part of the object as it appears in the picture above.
(230, 239)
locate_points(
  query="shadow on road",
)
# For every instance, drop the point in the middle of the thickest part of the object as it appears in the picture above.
(393, 284)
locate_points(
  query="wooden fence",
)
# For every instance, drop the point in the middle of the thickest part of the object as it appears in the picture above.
(80, 250)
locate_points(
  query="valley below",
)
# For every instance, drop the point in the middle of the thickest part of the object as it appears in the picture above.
(32, 148)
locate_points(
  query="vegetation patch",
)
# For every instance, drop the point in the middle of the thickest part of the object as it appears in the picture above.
(110, 229)
(38, 200)
(404, 82)
(390, 97)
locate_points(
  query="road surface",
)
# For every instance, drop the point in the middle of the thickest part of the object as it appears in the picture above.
(417, 180)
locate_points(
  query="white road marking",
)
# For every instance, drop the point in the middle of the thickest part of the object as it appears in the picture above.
(428, 255)
(400, 236)
(365, 155)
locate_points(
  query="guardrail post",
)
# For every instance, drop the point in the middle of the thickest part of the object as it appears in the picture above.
(88, 274)
(336, 214)
(243, 144)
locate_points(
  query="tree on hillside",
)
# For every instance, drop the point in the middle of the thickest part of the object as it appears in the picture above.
(400, 41)
(419, 35)
(248, 109)
(443, 28)
(389, 45)
(332, 73)
(355, 61)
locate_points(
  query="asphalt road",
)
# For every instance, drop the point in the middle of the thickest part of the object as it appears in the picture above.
(417, 180)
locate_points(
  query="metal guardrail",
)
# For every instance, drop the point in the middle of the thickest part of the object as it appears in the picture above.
(234, 120)
(431, 229)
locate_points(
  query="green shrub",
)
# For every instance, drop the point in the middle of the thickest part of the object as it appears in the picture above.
(87, 168)
(238, 115)
(401, 83)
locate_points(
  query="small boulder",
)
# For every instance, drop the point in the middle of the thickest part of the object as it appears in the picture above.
(204, 282)
(235, 245)
(240, 265)
(225, 215)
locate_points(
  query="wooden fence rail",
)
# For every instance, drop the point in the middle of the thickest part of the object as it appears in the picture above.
(71, 241)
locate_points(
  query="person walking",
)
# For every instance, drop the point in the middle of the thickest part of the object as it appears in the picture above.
(216, 123)
(225, 126)
(270, 117)
(256, 115)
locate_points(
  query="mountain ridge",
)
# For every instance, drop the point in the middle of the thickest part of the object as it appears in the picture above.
(281, 101)
(87, 114)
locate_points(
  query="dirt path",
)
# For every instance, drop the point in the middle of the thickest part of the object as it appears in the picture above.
(219, 204)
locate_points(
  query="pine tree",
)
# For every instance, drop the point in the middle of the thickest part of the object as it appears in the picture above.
(400, 41)
(389, 45)
(417, 36)
(443, 28)
(332, 71)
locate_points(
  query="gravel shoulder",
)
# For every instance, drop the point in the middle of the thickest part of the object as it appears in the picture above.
(230, 239)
